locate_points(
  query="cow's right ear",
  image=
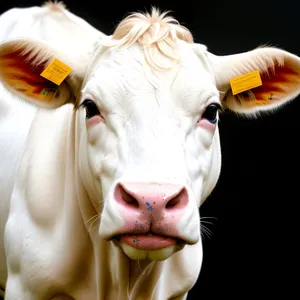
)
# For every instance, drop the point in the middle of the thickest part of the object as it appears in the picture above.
(21, 65)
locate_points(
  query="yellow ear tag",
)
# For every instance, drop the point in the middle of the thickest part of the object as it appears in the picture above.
(56, 71)
(245, 82)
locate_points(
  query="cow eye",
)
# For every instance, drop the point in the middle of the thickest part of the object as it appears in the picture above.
(91, 108)
(210, 113)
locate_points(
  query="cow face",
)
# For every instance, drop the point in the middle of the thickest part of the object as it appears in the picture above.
(149, 140)
(146, 109)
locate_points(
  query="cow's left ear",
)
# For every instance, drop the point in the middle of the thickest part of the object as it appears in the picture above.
(278, 70)
(23, 61)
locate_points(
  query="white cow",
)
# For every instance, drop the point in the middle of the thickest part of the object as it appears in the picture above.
(103, 201)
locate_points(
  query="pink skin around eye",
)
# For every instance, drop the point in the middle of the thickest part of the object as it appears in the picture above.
(94, 120)
(204, 123)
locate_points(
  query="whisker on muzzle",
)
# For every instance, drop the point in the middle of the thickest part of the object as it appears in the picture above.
(204, 230)
(93, 219)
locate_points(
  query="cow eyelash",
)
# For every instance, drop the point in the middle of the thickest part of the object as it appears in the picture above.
(210, 113)
(90, 108)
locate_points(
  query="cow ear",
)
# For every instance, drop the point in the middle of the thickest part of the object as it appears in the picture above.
(21, 65)
(279, 72)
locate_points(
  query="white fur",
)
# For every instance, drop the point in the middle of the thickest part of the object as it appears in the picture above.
(59, 180)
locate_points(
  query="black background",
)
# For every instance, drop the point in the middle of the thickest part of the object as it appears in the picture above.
(251, 252)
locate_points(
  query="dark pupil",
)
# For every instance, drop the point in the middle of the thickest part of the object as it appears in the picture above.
(91, 109)
(211, 113)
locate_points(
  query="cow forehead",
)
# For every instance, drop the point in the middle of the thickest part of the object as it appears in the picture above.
(123, 74)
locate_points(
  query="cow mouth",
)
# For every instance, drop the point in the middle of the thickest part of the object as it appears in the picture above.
(149, 241)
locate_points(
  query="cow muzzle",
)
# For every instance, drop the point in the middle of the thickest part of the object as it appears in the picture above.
(152, 213)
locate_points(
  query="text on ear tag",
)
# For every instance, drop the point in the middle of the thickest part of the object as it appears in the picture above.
(245, 82)
(56, 71)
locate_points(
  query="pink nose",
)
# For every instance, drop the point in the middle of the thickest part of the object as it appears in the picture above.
(157, 199)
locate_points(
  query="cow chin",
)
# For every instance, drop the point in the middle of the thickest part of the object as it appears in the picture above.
(142, 254)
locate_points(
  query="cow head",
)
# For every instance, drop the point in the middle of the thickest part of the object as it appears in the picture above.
(146, 105)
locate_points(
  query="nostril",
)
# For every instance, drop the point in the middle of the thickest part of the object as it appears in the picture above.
(173, 202)
(179, 201)
(128, 199)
